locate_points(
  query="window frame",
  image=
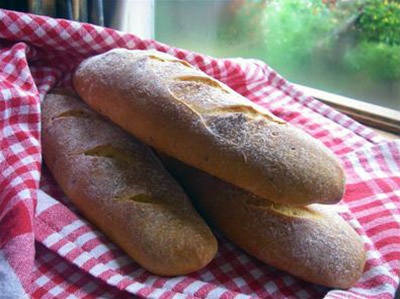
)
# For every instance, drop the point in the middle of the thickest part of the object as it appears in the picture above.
(136, 17)
(379, 117)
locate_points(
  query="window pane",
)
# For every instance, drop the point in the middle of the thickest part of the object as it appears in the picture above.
(351, 48)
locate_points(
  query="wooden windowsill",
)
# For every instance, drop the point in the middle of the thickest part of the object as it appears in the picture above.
(384, 121)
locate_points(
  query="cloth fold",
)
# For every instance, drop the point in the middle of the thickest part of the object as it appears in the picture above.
(46, 247)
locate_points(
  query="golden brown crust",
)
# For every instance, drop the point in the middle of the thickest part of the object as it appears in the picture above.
(311, 242)
(120, 185)
(181, 111)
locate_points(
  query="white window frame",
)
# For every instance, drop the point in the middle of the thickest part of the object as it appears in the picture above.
(135, 16)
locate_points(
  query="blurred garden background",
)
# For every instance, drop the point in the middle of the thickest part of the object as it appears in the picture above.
(351, 48)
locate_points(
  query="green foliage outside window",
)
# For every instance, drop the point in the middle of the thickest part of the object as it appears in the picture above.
(379, 60)
(348, 47)
(324, 42)
(380, 22)
(378, 50)
(292, 34)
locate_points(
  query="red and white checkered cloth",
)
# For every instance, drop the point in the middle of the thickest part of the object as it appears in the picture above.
(49, 251)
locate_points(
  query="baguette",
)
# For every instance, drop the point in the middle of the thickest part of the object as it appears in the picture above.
(119, 185)
(309, 242)
(181, 111)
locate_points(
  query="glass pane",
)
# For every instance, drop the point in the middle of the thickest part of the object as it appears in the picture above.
(351, 48)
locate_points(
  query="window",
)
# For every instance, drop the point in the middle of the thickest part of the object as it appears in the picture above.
(351, 48)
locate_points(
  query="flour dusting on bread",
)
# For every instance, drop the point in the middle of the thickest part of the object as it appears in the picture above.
(119, 185)
(178, 109)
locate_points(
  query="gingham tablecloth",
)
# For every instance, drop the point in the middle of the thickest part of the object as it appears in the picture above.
(49, 251)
